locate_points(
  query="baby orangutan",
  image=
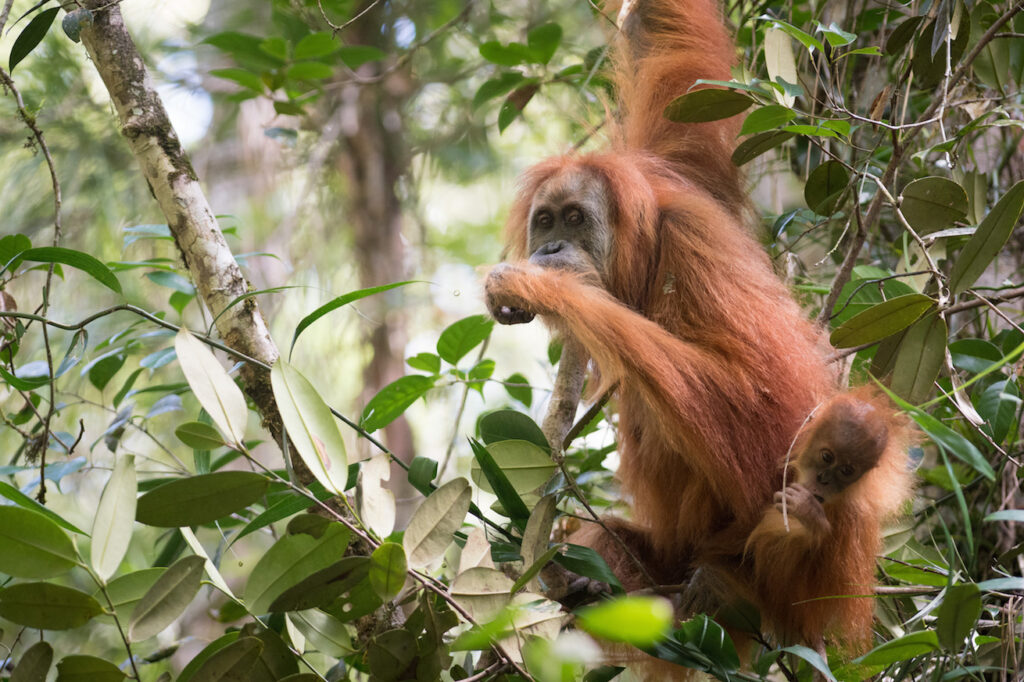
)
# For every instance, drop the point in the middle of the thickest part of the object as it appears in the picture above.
(813, 553)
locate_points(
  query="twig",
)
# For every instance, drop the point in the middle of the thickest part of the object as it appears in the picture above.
(458, 417)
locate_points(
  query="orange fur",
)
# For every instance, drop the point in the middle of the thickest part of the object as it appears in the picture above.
(716, 366)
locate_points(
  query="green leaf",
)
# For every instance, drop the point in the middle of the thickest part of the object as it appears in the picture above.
(387, 570)
(390, 653)
(755, 146)
(586, 562)
(526, 465)
(434, 523)
(311, 426)
(510, 425)
(488, 471)
(10, 246)
(836, 36)
(901, 649)
(355, 56)
(323, 588)
(518, 386)
(639, 621)
(766, 118)
(393, 400)
(814, 658)
(919, 359)
(825, 187)
(81, 668)
(425, 362)
(708, 104)
(47, 606)
(336, 303)
(200, 499)
(483, 592)
(947, 438)
(34, 663)
(512, 54)
(422, 472)
(233, 662)
(290, 560)
(115, 518)
(125, 591)
(327, 634)
(496, 87)
(247, 79)
(76, 259)
(188, 672)
(309, 71)
(880, 321)
(199, 436)
(22, 500)
(31, 36)
(167, 599)
(315, 45)
(809, 41)
(932, 204)
(1016, 515)
(103, 370)
(463, 336)
(543, 41)
(958, 614)
(986, 242)
(291, 504)
(215, 390)
(33, 545)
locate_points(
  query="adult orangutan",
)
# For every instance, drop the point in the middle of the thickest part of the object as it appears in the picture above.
(640, 254)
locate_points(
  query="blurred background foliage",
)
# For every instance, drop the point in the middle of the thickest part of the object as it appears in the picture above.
(347, 145)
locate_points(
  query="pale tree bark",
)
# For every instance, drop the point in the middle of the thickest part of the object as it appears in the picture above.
(174, 185)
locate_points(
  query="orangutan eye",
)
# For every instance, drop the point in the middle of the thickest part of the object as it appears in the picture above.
(827, 457)
(543, 219)
(846, 471)
(574, 216)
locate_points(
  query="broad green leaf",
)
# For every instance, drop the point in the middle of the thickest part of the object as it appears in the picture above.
(387, 570)
(930, 68)
(947, 438)
(932, 204)
(425, 362)
(115, 518)
(31, 36)
(1001, 584)
(323, 588)
(283, 508)
(901, 649)
(780, 62)
(434, 523)
(336, 303)
(47, 606)
(809, 41)
(755, 146)
(463, 336)
(639, 621)
(983, 246)
(289, 561)
(880, 321)
(496, 87)
(315, 45)
(22, 500)
(327, 634)
(199, 436)
(958, 615)
(213, 647)
(518, 386)
(309, 71)
(510, 425)
(586, 562)
(508, 496)
(526, 465)
(919, 359)
(10, 246)
(243, 77)
(422, 472)
(766, 118)
(200, 499)
(311, 426)
(825, 187)
(482, 592)
(542, 41)
(512, 54)
(233, 662)
(81, 668)
(33, 545)
(537, 535)
(390, 653)
(394, 399)
(212, 387)
(902, 34)
(34, 663)
(125, 591)
(167, 599)
(708, 104)
(76, 259)
(836, 36)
